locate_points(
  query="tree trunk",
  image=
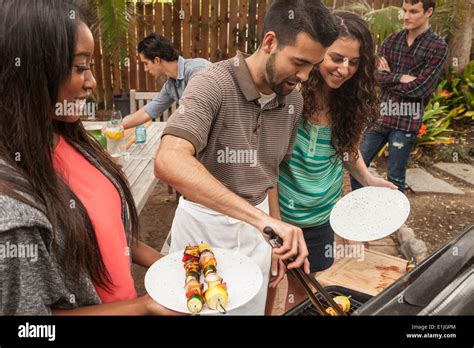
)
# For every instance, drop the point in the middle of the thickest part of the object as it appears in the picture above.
(461, 40)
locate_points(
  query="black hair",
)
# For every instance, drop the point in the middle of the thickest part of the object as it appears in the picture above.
(156, 45)
(354, 105)
(427, 4)
(37, 48)
(288, 18)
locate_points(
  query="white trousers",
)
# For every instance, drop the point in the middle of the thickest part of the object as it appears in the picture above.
(194, 223)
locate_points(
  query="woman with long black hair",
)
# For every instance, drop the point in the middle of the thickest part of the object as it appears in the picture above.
(63, 201)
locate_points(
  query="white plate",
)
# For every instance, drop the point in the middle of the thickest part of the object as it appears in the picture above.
(164, 280)
(369, 213)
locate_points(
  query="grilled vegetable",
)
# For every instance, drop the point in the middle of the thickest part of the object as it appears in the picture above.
(216, 297)
(343, 302)
(195, 303)
(195, 300)
(209, 269)
(411, 264)
(216, 294)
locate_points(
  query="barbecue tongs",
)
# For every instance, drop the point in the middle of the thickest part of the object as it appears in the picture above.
(276, 242)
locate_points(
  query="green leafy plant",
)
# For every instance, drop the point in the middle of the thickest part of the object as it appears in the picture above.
(456, 91)
(452, 100)
(111, 21)
(435, 127)
(382, 22)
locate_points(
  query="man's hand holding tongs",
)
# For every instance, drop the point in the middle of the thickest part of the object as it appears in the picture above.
(290, 245)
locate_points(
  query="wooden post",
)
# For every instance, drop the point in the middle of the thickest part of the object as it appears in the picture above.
(205, 29)
(177, 22)
(168, 20)
(186, 28)
(243, 9)
(116, 79)
(98, 73)
(141, 36)
(223, 39)
(108, 92)
(214, 30)
(158, 18)
(252, 30)
(148, 19)
(233, 27)
(262, 9)
(195, 29)
(132, 51)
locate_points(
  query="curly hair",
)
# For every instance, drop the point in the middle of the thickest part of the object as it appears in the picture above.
(353, 106)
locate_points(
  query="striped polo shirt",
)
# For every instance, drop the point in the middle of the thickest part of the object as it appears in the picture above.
(310, 181)
(239, 142)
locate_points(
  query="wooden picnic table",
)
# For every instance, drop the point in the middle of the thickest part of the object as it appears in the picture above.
(138, 162)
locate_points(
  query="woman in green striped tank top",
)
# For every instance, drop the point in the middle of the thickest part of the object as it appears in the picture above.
(340, 102)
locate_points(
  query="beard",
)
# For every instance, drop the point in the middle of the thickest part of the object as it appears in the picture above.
(273, 78)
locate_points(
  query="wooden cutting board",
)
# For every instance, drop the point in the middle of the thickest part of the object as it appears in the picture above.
(370, 274)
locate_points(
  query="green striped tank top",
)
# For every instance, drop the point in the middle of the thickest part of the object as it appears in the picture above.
(310, 183)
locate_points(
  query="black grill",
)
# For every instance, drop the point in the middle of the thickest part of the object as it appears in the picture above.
(427, 290)
(306, 308)
(440, 285)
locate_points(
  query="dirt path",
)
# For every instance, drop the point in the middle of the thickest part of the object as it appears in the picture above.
(438, 218)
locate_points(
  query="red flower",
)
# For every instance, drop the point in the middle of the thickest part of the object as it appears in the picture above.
(422, 130)
(444, 93)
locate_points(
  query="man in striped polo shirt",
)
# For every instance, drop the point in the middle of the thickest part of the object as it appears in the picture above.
(237, 120)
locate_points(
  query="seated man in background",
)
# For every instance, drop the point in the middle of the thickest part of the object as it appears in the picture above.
(160, 58)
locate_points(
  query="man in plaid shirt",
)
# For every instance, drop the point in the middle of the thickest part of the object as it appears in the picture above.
(409, 67)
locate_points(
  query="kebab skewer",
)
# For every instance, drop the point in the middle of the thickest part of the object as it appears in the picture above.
(216, 294)
(193, 286)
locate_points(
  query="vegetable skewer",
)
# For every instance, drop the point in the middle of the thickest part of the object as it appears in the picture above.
(194, 296)
(216, 294)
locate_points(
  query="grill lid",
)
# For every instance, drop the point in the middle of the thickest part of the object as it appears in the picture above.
(456, 299)
(440, 284)
(441, 272)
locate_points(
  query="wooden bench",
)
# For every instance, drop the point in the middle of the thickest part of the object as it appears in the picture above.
(140, 99)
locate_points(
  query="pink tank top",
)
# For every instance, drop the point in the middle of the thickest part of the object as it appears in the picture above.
(102, 202)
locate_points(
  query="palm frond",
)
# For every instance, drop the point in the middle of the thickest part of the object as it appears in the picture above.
(361, 7)
(384, 21)
(113, 23)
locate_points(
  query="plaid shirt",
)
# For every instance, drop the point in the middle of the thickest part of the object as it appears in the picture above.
(402, 104)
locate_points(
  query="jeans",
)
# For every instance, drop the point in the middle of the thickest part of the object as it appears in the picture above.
(319, 240)
(400, 144)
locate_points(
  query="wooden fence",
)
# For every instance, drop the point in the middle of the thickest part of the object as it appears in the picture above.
(211, 29)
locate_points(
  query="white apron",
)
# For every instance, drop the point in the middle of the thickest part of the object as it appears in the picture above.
(194, 223)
